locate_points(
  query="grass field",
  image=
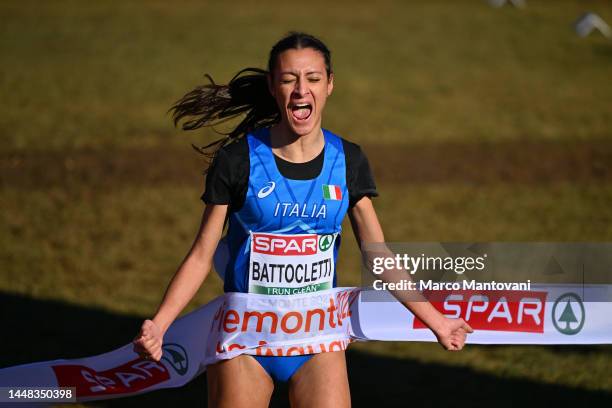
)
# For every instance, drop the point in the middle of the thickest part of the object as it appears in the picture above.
(481, 124)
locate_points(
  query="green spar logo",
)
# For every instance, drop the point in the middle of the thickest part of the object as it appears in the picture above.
(568, 314)
(325, 242)
(176, 356)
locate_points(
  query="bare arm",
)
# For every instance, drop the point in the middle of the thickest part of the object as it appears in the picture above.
(194, 268)
(367, 229)
(185, 282)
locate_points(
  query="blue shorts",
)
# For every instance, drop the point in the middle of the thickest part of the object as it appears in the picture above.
(282, 368)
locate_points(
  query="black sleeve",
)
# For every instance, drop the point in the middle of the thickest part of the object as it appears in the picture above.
(359, 178)
(227, 177)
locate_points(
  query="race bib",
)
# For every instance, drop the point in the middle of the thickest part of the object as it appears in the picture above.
(291, 264)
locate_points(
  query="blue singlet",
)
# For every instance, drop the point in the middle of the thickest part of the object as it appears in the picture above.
(280, 206)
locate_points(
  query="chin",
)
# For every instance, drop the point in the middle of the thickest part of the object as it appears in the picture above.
(301, 129)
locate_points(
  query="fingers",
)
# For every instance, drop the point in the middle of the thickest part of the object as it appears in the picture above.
(454, 337)
(148, 329)
(157, 356)
(154, 353)
(452, 346)
(148, 342)
(457, 340)
(460, 324)
(455, 346)
(147, 350)
(466, 327)
(146, 339)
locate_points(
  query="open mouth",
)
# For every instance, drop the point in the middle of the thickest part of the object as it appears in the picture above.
(301, 111)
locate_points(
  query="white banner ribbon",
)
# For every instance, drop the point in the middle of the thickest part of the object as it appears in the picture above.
(238, 323)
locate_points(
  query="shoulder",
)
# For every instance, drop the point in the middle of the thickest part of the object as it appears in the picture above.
(227, 175)
(354, 155)
(235, 150)
(359, 177)
(232, 158)
(231, 162)
(351, 149)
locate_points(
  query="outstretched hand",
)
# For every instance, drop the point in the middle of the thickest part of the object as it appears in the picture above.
(452, 333)
(148, 343)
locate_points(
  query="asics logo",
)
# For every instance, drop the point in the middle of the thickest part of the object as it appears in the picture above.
(266, 190)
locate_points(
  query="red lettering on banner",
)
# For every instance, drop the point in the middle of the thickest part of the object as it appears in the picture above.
(298, 322)
(310, 313)
(229, 347)
(260, 320)
(234, 319)
(132, 376)
(270, 244)
(289, 322)
(334, 345)
(331, 309)
(513, 311)
(295, 351)
(345, 300)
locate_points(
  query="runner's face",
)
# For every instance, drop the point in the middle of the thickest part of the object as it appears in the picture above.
(300, 86)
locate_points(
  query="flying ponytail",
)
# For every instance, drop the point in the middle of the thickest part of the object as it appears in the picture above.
(212, 104)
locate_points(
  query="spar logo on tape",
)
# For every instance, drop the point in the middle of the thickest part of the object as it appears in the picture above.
(510, 311)
(129, 377)
(568, 314)
(290, 245)
(176, 356)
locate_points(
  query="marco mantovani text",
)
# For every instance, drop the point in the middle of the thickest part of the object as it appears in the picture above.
(420, 285)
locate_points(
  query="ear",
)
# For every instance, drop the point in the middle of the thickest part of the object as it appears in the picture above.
(330, 84)
(270, 86)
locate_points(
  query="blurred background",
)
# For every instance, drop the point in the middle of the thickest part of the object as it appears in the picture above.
(480, 124)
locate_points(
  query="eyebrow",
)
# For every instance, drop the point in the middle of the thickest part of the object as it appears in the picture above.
(307, 73)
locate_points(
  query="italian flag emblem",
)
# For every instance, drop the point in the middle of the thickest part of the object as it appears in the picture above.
(331, 192)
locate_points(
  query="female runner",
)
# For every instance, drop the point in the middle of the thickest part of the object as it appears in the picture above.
(278, 171)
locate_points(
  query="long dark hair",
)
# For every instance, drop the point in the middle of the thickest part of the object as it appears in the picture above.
(246, 93)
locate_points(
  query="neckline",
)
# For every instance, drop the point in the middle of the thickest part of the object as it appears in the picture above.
(317, 157)
(275, 157)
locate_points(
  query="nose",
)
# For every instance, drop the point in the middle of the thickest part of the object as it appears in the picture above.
(301, 88)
